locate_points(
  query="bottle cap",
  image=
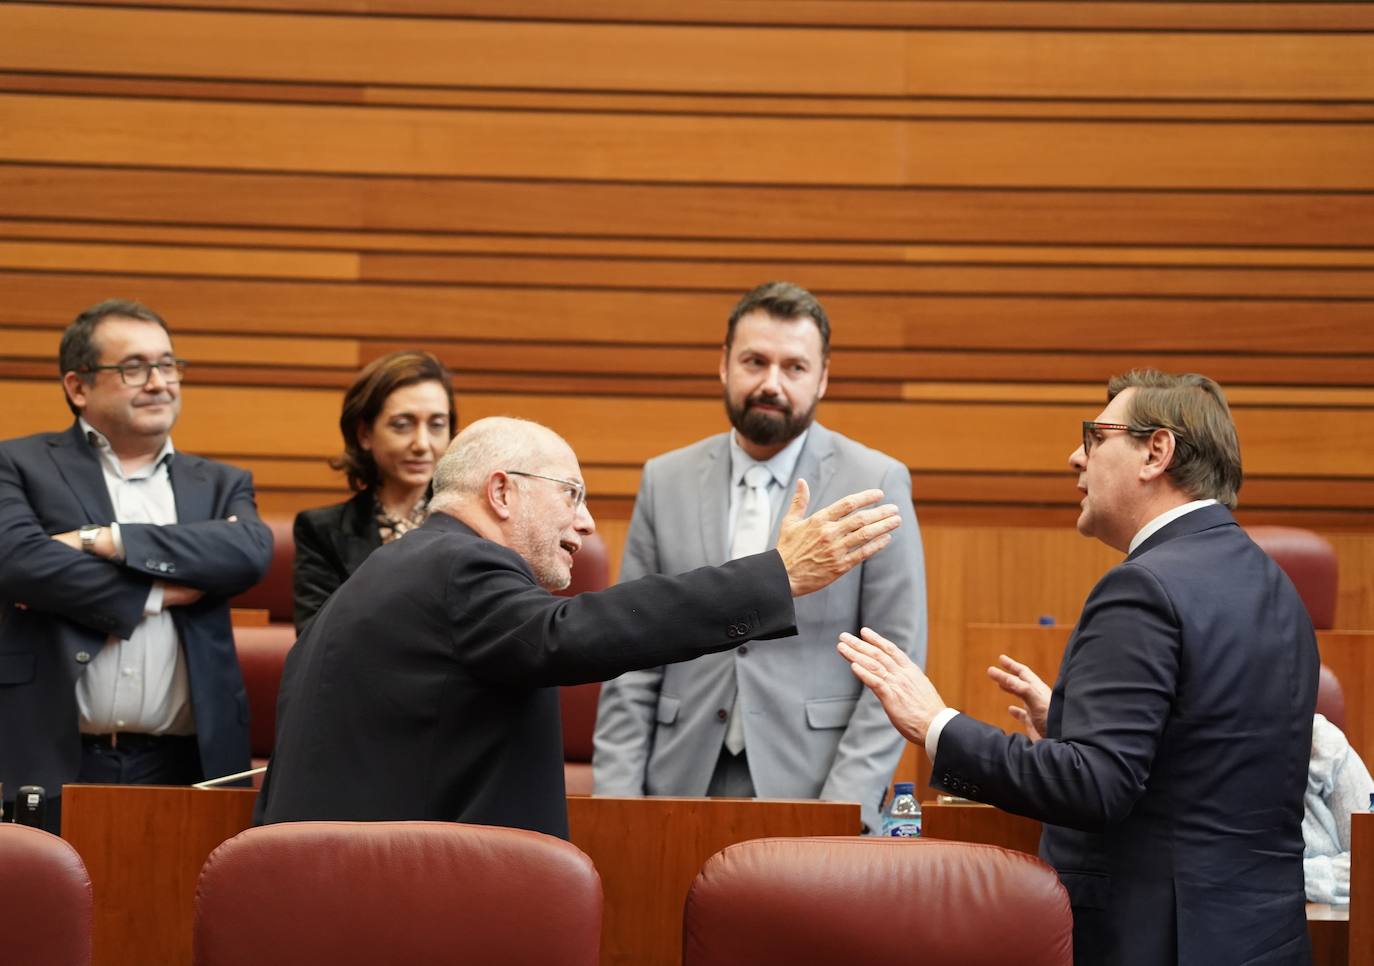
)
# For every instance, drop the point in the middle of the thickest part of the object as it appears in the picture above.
(903, 788)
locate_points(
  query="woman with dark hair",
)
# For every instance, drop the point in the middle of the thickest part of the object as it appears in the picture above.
(397, 420)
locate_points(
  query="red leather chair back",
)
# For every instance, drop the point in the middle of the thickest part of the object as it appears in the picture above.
(1310, 563)
(367, 893)
(1331, 698)
(262, 653)
(591, 571)
(871, 900)
(275, 593)
(45, 913)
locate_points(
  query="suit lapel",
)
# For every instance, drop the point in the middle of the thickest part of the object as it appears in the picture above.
(358, 536)
(1202, 519)
(713, 508)
(815, 464)
(79, 466)
(194, 498)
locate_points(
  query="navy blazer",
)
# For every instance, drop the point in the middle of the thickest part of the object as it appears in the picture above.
(58, 606)
(424, 688)
(1172, 780)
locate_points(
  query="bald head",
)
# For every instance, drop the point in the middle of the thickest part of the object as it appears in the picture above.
(517, 483)
(487, 446)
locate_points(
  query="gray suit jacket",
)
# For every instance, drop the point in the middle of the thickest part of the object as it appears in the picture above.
(810, 729)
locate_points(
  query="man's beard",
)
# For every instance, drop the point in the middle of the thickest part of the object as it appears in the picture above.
(531, 542)
(768, 428)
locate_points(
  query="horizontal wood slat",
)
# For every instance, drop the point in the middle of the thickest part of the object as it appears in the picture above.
(688, 274)
(804, 213)
(344, 140)
(613, 317)
(945, 437)
(987, 14)
(360, 50)
(899, 107)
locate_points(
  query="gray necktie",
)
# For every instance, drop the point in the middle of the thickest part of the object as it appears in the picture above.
(752, 524)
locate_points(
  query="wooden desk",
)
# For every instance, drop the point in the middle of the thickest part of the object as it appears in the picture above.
(1350, 654)
(144, 847)
(649, 850)
(1362, 889)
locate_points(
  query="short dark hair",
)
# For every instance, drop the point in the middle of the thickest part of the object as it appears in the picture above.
(1206, 463)
(785, 301)
(368, 394)
(78, 351)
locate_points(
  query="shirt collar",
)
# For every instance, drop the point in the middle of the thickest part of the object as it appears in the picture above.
(1163, 520)
(102, 445)
(782, 464)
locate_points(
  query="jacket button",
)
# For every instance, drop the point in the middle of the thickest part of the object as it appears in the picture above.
(171, 568)
(722, 714)
(730, 631)
(83, 657)
(150, 564)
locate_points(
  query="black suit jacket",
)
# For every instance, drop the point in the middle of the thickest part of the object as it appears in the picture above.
(1179, 735)
(331, 543)
(73, 602)
(425, 688)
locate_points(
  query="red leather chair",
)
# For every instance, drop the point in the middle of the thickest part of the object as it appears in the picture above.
(262, 653)
(872, 900)
(591, 571)
(45, 914)
(1331, 698)
(1310, 562)
(275, 593)
(368, 893)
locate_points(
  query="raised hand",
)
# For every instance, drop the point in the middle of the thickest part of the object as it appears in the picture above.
(1020, 681)
(828, 544)
(906, 694)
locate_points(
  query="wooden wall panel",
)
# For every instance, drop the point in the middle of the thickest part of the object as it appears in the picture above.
(999, 203)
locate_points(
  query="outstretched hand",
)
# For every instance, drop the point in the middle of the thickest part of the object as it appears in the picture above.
(1020, 681)
(823, 547)
(906, 694)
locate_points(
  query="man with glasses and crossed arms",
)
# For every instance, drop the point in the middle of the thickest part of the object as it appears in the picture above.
(1170, 759)
(118, 556)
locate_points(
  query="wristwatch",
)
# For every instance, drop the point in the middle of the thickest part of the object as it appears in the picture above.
(88, 534)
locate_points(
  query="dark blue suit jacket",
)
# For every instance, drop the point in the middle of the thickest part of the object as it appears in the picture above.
(72, 602)
(1179, 735)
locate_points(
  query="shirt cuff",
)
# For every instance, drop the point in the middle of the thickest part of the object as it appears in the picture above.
(937, 725)
(153, 605)
(118, 542)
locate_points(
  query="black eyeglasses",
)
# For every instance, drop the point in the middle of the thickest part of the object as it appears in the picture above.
(138, 373)
(1091, 428)
(579, 490)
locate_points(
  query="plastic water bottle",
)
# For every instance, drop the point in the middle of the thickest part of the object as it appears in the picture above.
(902, 819)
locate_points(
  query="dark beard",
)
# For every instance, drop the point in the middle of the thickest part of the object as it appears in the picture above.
(768, 429)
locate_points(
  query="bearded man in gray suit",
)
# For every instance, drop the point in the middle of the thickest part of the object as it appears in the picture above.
(777, 719)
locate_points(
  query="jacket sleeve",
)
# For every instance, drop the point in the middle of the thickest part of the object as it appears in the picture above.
(892, 600)
(220, 557)
(44, 575)
(509, 630)
(1115, 690)
(314, 578)
(626, 712)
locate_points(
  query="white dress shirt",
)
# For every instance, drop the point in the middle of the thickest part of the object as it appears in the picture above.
(137, 685)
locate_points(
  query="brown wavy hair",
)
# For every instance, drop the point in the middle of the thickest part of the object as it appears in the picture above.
(1206, 463)
(364, 401)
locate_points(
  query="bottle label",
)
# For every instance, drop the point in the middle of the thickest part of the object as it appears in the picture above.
(905, 830)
